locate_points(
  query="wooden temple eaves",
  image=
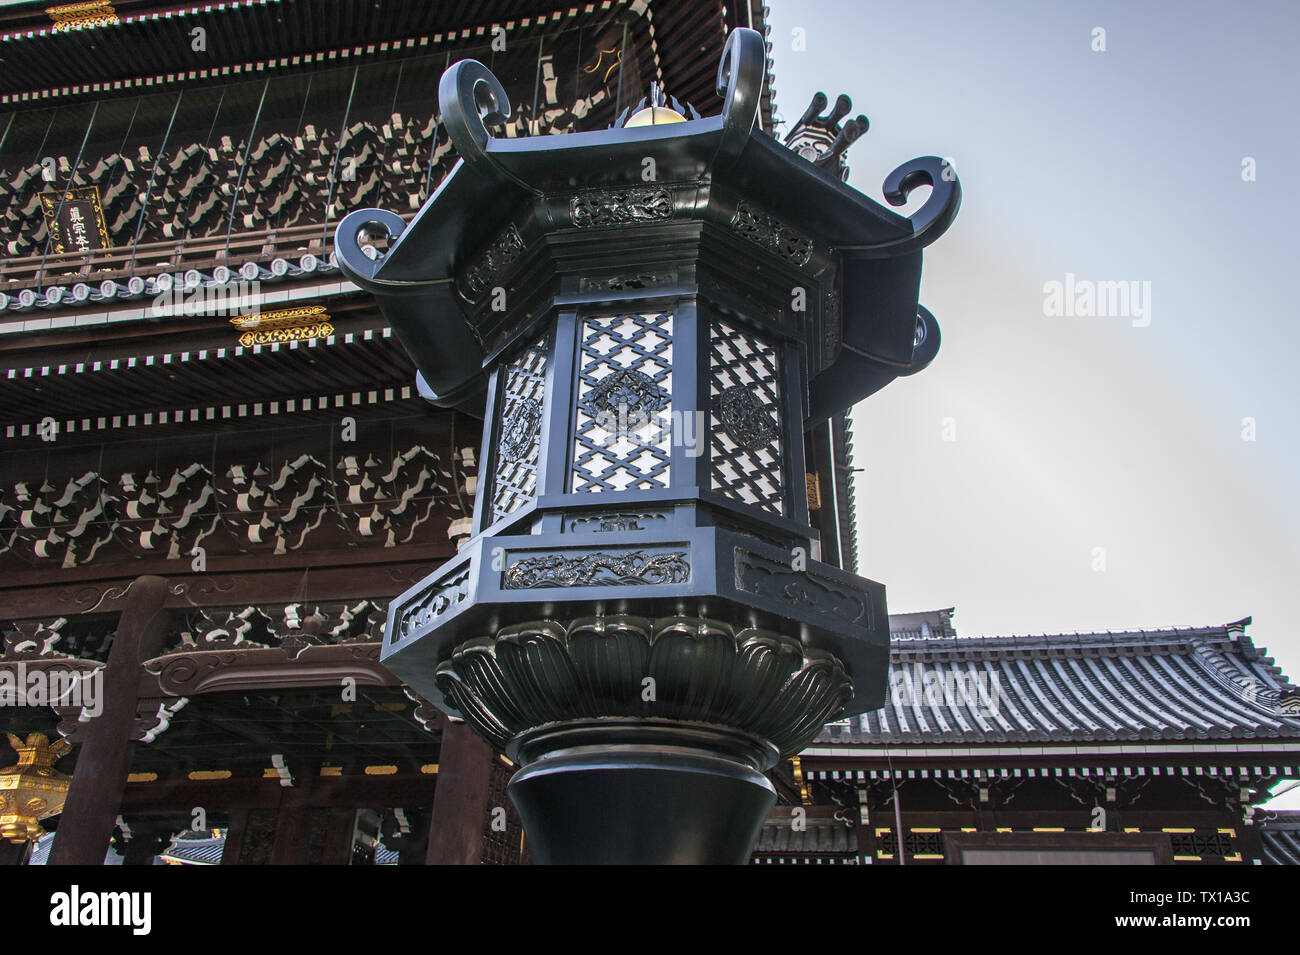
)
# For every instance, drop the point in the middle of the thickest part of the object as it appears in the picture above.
(134, 46)
(209, 510)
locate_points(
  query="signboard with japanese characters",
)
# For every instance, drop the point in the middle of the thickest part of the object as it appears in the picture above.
(75, 220)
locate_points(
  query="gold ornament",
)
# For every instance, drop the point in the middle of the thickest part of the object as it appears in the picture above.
(77, 16)
(32, 789)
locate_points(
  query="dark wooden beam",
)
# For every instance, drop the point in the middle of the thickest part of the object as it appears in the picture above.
(405, 789)
(234, 837)
(213, 795)
(340, 828)
(361, 573)
(370, 792)
(104, 759)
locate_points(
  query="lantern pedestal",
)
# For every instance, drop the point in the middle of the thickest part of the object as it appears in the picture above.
(653, 793)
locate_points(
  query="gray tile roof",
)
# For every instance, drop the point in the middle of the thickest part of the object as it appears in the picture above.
(1179, 684)
(815, 837)
(1280, 838)
(208, 852)
(41, 852)
(196, 851)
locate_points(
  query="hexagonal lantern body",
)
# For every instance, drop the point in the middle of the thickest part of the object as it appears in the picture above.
(649, 317)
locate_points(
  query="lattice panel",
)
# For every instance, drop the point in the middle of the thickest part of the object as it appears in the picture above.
(503, 833)
(919, 845)
(519, 432)
(259, 836)
(625, 374)
(745, 418)
(1204, 845)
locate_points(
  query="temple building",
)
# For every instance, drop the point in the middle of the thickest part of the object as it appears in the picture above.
(1067, 746)
(217, 469)
(215, 466)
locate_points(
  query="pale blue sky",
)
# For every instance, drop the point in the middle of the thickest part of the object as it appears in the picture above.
(1077, 433)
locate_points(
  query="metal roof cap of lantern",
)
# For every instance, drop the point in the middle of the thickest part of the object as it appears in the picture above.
(496, 216)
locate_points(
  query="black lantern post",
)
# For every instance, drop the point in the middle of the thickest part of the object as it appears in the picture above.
(648, 317)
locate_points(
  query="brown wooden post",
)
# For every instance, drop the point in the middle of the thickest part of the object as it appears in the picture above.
(339, 833)
(460, 802)
(13, 853)
(409, 857)
(291, 826)
(104, 757)
(1249, 841)
(147, 842)
(234, 837)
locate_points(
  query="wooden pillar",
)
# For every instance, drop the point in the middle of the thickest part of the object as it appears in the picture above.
(143, 847)
(104, 758)
(291, 826)
(460, 801)
(1249, 841)
(416, 852)
(407, 857)
(13, 853)
(234, 837)
(340, 829)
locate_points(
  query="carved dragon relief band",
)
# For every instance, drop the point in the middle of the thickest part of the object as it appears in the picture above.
(587, 570)
(762, 575)
(606, 207)
(772, 234)
(432, 603)
(484, 272)
(610, 522)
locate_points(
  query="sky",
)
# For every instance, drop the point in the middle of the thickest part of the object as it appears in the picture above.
(991, 479)
(1060, 473)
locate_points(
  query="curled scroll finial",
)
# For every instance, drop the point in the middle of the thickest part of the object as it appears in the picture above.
(352, 260)
(740, 81)
(470, 97)
(932, 219)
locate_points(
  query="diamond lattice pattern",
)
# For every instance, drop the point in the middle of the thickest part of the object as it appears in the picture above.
(638, 349)
(748, 474)
(518, 432)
